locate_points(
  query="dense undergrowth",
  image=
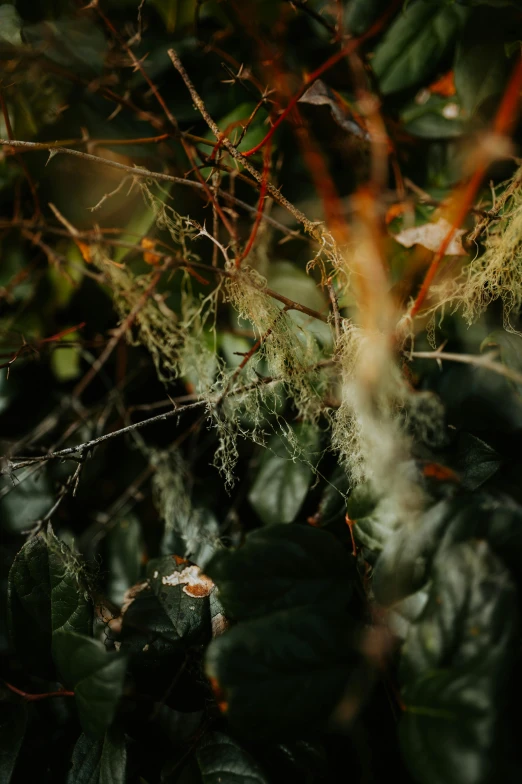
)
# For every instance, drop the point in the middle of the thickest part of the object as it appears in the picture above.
(261, 367)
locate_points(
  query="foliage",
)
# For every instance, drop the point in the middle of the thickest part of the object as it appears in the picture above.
(260, 391)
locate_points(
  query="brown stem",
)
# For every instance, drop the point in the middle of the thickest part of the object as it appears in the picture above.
(35, 697)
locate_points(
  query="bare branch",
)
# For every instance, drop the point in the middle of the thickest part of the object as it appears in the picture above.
(138, 171)
(311, 228)
(485, 361)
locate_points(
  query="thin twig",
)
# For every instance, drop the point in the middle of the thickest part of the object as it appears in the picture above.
(303, 6)
(35, 697)
(118, 334)
(138, 171)
(72, 451)
(183, 264)
(311, 228)
(484, 361)
(19, 158)
(335, 309)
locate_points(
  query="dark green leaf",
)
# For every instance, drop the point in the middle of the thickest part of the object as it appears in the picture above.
(222, 761)
(417, 40)
(403, 565)
(124, 552)
(361, 14)
(333, 501)
(481, 66)
(99, 761)
(476, 461)
(114, 758)
(70, 42)
(361, 501)
(23, 503)
(282, 481)
(95, 675)
(13, 721)
(456, 669)
(373, 521)
(284, 672)
(434, 118)
(282, 567)
(179, 728)
(183, 592)
(45, 594)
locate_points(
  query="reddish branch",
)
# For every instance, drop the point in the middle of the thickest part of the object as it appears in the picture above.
(351, 47)
(260, 207)
(36, 697)
(463, 201)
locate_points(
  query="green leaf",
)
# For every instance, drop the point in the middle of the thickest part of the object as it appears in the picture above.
(476, 461)
(10, 25)
(332, 506)
(294, 283)
(13, 722)
(282, 567)
(291, 585)
(124, 553)
(282, 481)
(417, 40)
(95, 675)
(481, 66)
(222, 761)
(374, 522)
(70, 42)
(403, 565)
(361, 14)
(99, 761)
(24, 502)
(434, 118)
(45, 595)
(178, 727)
(183, 592)
(284, 672)
(456, 669)
(147, 635)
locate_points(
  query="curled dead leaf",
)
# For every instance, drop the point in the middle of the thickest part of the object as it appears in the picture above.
(431, 236)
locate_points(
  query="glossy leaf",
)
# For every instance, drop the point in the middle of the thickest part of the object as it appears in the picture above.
(45, 594)
(434, 117)
(455, 669)
(183, 592)
(476, 461)
(298, 659)
(99, 761)
(222, 761)
(23, 503)
(481, 68)
(95, 676)
(416, 41)
(282, 482)
(124, 553)
(362, 13)
(282, 567)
